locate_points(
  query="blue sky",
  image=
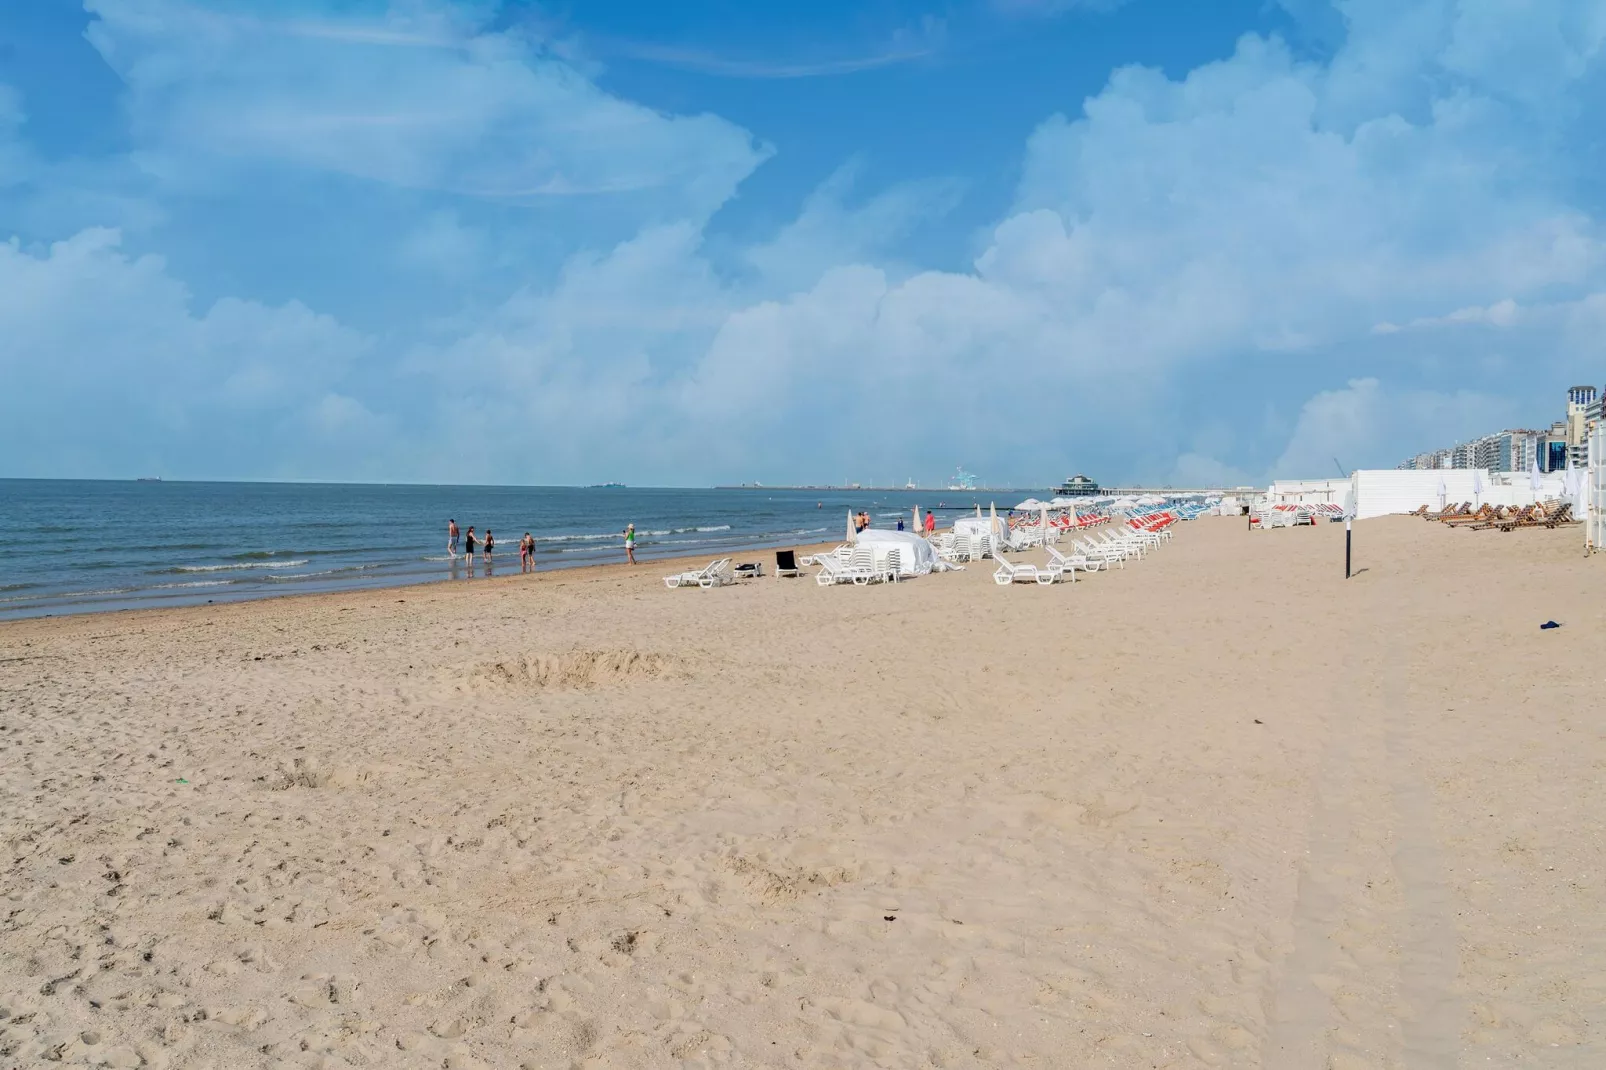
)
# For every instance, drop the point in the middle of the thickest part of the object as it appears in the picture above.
(716, 241)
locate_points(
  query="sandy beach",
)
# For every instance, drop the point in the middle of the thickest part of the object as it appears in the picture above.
(1219, 808)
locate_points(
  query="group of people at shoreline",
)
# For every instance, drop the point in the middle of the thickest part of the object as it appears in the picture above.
(487, 545)
(861, 522)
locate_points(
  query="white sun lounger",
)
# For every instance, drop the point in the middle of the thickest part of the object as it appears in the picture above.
(1069, 563)
(1009, 573)
(714, 574)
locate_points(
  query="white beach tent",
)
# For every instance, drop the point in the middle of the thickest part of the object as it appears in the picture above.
(1028, 505)
(973, 526)
(915, 557)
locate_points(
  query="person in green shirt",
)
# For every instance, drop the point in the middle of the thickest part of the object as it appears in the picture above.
(630, 543)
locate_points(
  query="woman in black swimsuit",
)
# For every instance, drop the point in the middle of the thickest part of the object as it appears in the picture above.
(468, 544)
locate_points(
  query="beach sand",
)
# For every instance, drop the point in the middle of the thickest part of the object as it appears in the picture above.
(1220, 808)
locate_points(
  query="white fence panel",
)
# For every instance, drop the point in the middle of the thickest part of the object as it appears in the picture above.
(1379, 492)
(1595, 491)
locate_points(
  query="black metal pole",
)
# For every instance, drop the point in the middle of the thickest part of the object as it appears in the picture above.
(1346, 547)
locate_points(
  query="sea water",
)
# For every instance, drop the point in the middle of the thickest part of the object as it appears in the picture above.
(72, 546)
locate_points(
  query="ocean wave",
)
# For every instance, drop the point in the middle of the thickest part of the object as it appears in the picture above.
(190, 583)
(66, 595)
(324, 572)
(238, 565)
(619, 535)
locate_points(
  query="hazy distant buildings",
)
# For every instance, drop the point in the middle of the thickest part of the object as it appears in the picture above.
(1516, 449)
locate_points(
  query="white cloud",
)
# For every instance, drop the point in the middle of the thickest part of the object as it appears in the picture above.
(459, 108)
(830, 232)
(1183, 251)
(1353, 423)
(106, 367)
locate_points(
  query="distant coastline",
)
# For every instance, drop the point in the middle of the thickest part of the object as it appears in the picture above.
(849, 489)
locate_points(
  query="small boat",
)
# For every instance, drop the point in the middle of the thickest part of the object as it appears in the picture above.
(148, 479)
(607, 486)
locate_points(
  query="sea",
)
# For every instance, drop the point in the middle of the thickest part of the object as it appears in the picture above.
(80, 546)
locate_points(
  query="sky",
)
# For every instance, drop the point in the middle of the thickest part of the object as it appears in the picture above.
(714, 241)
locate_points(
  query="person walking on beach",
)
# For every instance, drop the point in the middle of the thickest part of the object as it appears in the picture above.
(451, 537)
(630, 543)
(527, 553)
(931, 523)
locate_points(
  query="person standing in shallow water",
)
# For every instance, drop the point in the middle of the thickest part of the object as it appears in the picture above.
(451, 537)
(630, 543)
(468, 545)
(527, 553)
(490, 542)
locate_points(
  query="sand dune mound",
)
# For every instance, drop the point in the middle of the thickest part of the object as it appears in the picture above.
(576, 669)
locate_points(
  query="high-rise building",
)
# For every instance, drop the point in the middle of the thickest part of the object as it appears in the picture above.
(1519, 449)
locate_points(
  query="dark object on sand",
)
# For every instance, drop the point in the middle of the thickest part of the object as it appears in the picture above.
(1549, 624)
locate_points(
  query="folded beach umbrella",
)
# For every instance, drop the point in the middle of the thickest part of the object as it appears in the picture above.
(998, 538)
(1477, 488)
(1533, 477)
(1444, 493)
(853, 536)
(1046, 528)
(917, 527)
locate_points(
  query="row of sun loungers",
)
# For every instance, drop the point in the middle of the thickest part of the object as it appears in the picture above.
(1288, 516)
(1093, 553)
(1547, 514)
(1091, 545)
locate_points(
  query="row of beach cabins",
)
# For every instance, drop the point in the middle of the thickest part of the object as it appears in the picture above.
(1091, 542)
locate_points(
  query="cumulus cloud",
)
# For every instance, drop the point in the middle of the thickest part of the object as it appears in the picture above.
(1189, 284)
(109, 369)
(426, 97)
(1341, 425)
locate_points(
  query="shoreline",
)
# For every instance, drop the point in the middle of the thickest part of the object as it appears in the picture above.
(583, 570)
